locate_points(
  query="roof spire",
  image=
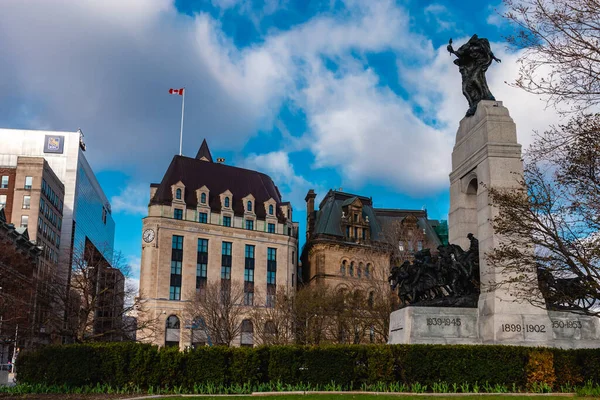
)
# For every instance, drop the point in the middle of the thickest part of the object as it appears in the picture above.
(204, 153)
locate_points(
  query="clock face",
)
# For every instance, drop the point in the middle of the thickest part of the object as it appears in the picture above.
(148, 235)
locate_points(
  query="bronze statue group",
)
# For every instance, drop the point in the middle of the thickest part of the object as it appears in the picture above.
(449, 277)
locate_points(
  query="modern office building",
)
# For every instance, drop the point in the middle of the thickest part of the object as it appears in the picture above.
(211, 223)
(86, 212)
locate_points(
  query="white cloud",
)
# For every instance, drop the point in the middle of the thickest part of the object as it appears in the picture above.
(106, 66)
(371, 134)
(133, 199)
(495, 17)
(277, 165)
(441, 16)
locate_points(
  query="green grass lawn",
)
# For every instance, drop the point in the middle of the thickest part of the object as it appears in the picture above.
(362, 397)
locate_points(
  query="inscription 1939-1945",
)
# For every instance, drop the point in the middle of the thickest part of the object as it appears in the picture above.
(443, 321)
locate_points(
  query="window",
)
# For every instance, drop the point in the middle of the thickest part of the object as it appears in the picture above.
(343, 268)
(355, 232)
(355, 217)
(172, 331)
(351, 270)
(271, 266)
(201, 264)
(247, 331)
(270, 209)
(4, 184)
(410, 245)
(359, 270)
(368, 271)
(202, 217)
(203, 198)
(178, 194)
(249, 267)
(371, 300)
(26, 201)
(226, 221)
(271, 228)
(401, 245)
(176, 263)
(226, 202)
(2, 200)
(420, 245)
(28, 182)
(24, 220)
(249, 206)
(364, 234)
(250, 224)
(226, 260)
(347, 231)
(40, 224)
(178, 213)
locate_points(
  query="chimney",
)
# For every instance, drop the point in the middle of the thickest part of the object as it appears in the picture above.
(310, 212)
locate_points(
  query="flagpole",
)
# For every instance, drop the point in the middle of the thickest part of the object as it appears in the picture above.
(181, 130)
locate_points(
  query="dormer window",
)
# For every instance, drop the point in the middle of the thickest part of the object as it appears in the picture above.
(249, 206)
(270, 209)
(178, 194)
(203, 198)
(226, 202)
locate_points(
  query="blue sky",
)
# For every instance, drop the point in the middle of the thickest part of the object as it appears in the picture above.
(325, 94)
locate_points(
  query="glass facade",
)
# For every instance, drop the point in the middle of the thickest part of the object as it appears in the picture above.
(92, 213)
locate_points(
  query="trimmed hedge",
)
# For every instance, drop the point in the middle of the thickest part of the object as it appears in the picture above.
(351, 366)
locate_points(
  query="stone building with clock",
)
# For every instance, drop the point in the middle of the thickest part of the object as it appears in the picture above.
(209, 222)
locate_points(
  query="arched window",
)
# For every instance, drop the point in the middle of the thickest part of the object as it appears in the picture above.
(227, 202)
(343, 268)
(172, 326)
(203, 198)
(360, 270)
(351, 270)
(249, 206)
(270, 209)
(178, 194)
(289, 214)
(371, 300)
(368, 271)
(247, 331)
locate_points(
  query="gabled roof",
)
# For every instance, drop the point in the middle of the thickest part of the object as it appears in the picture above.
(204, 152)
(329, 216)
(218, 178)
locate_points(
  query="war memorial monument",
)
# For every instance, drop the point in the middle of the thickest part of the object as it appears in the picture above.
(455, 297)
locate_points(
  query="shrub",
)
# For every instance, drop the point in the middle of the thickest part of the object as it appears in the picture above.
(328, 367)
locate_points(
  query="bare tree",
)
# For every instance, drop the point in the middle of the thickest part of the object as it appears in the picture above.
(561, 39)
(220, 306)
(274, 325)
(97, 302)
(550, 223)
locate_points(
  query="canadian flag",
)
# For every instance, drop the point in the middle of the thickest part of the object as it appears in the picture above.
(176, 91)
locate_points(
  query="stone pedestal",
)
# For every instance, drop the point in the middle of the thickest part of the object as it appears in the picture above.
(486, 155)
(434, 325)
